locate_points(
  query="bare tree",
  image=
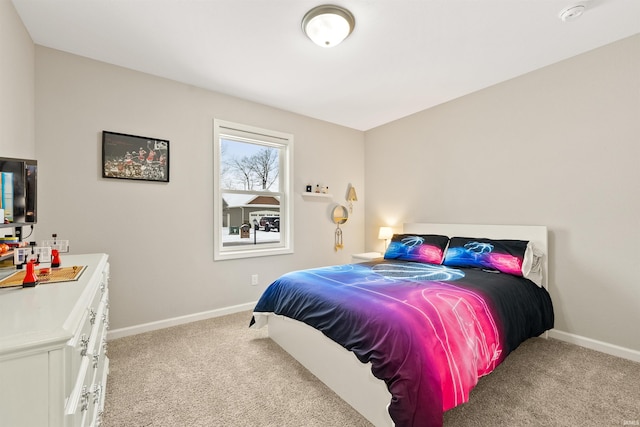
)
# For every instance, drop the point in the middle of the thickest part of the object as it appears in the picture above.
(242, 169)
(265, 167)
(259, 170)
(225, 173)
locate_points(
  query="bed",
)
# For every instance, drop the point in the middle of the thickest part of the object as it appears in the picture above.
(404, 339)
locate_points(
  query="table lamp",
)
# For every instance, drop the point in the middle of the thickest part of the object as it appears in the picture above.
(385, 233)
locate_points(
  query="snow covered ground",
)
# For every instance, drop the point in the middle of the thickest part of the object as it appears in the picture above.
(254, 236)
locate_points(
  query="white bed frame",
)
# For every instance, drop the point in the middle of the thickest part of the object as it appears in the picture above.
(339, 369)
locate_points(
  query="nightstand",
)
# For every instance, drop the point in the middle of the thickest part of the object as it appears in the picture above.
(366, 256)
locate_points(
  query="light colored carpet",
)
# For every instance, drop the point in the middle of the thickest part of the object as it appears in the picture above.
(217, 372)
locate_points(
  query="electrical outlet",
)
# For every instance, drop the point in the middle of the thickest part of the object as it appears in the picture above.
(254, 279)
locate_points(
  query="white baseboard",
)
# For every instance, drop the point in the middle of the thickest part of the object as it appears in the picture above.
(175, 321)
(612, 349)
(603, 347)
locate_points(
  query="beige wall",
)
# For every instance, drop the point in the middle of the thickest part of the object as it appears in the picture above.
(558, 147)
(159, 236)
(16, 86)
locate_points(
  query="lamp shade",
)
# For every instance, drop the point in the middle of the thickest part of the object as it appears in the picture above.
(328, 25)
(385, 233)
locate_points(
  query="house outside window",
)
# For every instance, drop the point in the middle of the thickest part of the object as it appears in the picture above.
(253, 209)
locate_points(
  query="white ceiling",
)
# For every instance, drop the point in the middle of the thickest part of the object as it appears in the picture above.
(404, 55)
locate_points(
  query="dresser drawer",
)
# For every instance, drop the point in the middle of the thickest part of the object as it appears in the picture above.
(104, 282)
(99, 392)
(88, 328)
(79, 402)
(86, 402)
(100, 325)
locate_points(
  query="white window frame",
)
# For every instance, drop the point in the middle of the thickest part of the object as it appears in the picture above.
(283, 141)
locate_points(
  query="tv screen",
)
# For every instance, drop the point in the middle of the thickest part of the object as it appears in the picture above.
(19, 190)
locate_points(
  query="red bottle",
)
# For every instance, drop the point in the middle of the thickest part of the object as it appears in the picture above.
(55, 258)
(30, 278)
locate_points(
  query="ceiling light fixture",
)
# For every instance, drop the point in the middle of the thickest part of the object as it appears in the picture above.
(571, 13)
(328, 25)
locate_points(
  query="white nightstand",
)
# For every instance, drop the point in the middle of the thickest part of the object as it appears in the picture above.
(367, 256)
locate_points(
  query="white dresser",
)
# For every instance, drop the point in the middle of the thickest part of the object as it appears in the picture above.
(53, 362)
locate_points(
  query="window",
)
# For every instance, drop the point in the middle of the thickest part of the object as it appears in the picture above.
(252, 184)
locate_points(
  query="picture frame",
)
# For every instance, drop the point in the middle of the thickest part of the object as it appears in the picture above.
(134, 157)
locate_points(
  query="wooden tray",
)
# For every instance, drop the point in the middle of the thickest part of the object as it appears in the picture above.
(54, 275)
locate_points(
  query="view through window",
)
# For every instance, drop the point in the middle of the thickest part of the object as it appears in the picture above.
(252, 176)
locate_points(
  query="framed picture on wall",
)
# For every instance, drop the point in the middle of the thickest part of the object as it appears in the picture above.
(134, 157)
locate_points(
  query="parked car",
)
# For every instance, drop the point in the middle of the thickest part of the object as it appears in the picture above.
(268, 223)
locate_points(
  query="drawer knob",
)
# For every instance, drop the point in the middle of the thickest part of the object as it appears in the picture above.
(84, 344)
(105, 319)
(97, 390)
(92, 316)
(84, 400)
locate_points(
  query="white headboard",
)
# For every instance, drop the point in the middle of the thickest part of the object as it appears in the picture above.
(537, 234)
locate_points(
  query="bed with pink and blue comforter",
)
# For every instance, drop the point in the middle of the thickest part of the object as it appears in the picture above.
(430, 331)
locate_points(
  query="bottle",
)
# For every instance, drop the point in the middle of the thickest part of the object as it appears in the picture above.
(30, 278)
(55, 258)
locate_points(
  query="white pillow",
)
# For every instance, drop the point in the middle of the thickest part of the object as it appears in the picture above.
(532, 264)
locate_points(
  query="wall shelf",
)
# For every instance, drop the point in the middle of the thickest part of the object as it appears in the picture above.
(6, 255)
(317, 196)
(13, 224)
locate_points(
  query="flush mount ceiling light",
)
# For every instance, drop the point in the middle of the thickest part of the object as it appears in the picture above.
(328, 25)
(571, 13)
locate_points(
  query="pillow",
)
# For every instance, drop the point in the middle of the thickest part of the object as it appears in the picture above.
(532, 264)
(515, 257)
(427, 248)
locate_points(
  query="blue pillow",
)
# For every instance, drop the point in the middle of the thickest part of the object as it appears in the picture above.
(506, 256)
(425, 248)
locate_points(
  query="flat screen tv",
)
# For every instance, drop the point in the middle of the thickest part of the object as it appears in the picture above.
(19, 190)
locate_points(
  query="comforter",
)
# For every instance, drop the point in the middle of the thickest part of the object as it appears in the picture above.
(429, 331)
